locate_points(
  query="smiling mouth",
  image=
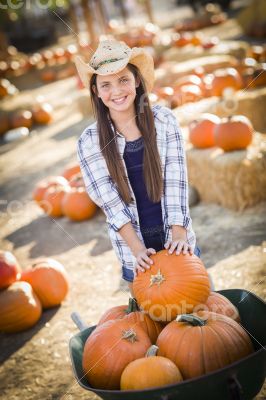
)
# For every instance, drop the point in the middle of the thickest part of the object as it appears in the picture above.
(121, 100)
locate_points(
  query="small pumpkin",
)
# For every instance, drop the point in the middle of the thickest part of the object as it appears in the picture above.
(42, 113)
(201, 131)
(22, 118)
(132, 313)
(186, 94)
(189, 80)
(71, 170)
(225, 78)
(150, 371)
(43, 185)
(49, 281)
(190, 340)
(109, 349)
(219, 304)
(173, 285)
(20, 308)
(233, 133)
(52, 200)
(9, 269)
(77, 205)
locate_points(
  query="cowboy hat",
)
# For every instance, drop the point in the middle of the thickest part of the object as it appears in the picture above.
(112, 56)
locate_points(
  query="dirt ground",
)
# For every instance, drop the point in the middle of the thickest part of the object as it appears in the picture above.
(35, 364)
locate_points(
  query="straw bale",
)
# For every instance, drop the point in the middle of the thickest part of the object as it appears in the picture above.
(251, 103)
(169, 71)
(236, 180)
(238, 49)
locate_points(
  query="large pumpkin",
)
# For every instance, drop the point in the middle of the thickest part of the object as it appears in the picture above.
(109, 349)
(52, 200)
(149, 371)
(203, 342)
(44, 184)
(173, 285)
(201, 131)
(20, 308)
(132, 313)
(49, 281)
(218, 303)
(225, 78)
(77, 205)
(9, 269)
(233, 133)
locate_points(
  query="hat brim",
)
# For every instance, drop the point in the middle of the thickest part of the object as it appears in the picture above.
(138, 57)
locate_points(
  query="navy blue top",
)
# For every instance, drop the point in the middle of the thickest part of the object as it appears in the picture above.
(150, 213)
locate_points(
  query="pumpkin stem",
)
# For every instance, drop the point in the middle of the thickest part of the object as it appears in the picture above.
(157, 279)
(132, 306)
(130, 335)
(152, 351)
(191, 319)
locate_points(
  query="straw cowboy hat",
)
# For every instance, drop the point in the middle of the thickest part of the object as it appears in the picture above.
(111, 57)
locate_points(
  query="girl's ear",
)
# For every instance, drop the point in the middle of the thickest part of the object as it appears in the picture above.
(94, 89)
(137, 82)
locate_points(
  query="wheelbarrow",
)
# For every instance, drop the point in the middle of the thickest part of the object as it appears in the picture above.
(241, 380)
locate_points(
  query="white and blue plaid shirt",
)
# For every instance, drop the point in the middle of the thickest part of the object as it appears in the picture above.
(103, 191)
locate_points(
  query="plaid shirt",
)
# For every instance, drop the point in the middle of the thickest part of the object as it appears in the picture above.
(103, 191)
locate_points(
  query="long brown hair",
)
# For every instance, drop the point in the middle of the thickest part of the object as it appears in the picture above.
(145, 123)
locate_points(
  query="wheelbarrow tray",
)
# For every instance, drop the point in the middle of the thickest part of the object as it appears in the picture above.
(240, 380)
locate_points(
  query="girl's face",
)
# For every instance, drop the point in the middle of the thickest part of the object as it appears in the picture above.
(117, 91)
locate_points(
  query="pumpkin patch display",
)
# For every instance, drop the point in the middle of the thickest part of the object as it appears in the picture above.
(77, 205)
(49, 281)
(233, 133)
(9, 269)
(203, 342)
(109, 349)
(20, 308)
(219, 304)
(201, 131)
(150, 371)
(225, 78)
(132, 313)
(173, 285)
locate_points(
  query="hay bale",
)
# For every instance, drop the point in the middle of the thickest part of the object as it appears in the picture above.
(250, 103)
(236, 180)
(171, 70)
(238, 49)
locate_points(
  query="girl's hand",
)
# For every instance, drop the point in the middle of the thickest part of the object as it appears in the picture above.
(143, 261)
(178, 245)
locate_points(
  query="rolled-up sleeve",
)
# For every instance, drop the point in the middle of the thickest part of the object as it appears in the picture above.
(99, 184)
(176, 181)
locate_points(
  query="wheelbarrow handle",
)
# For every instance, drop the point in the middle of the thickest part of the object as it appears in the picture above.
(76, 318)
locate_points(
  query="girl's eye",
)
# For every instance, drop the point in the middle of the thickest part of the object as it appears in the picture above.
(106, 85)
(124, 81)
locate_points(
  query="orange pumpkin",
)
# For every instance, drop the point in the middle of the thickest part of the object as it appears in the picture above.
(219, 304)
(43, 185)
(20, 308)
(42, 113)
(165, 92)
(49, 281)
(189, 80)
(109, 349)
(71, 170)
(77, 205)
(9, 269)
(21, 118)
(201, 131)
(52, 200)
(233, 133)
(225, 78)
(186, 94)
(173, 285)
(4, 123)
(132, 313)
(190, 340)
(149, 371)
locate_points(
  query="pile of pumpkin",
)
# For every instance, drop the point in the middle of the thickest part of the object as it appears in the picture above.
(199, 85)
(170, 337)
(24, 294)
(229, 134)
(65, 195)
(40, 113)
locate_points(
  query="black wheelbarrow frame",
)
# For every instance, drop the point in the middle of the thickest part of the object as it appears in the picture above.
(241, 380)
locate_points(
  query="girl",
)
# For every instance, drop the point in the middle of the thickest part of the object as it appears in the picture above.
(133, 160)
